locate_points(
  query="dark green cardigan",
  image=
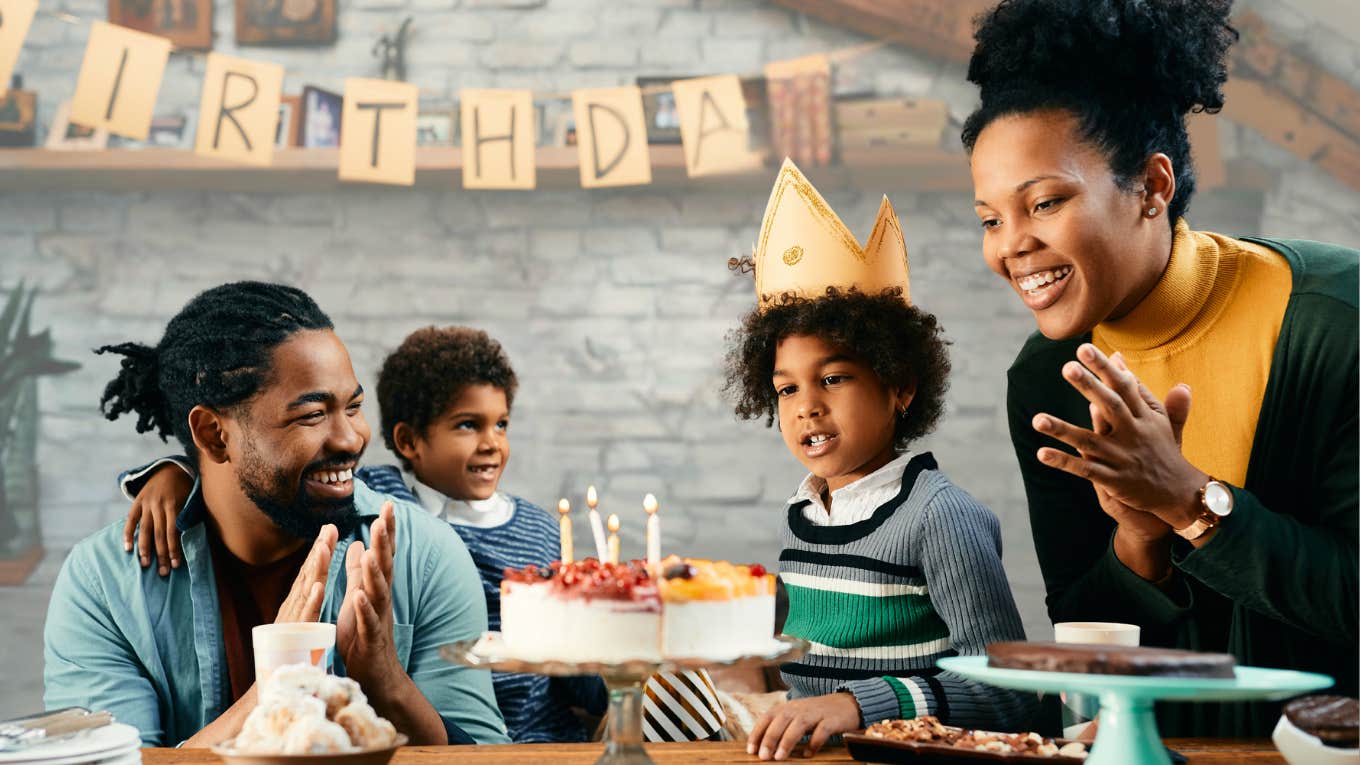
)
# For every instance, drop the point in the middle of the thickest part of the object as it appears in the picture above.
(1277, 585)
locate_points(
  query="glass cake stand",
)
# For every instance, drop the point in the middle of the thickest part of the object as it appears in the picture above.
(1127, 734)
(623, 736)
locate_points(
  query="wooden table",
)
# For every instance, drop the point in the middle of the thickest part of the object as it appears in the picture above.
(1201, 751)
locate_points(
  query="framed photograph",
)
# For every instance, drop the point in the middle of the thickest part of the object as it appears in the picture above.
(564, 131)
(285, 22)
(18, 118)
(437, 128)
(66, 136)
(188, 24)
(321, 111)
(663, 120)
(289, 131)
(172, 131)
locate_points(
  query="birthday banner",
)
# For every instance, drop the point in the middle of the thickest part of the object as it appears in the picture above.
(238, 115)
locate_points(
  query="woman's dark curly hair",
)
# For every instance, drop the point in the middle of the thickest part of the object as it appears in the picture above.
(216, 352)
(900, 342)
(1129, 70)
(420, 380)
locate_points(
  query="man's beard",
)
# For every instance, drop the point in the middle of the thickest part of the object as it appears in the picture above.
(296, 513)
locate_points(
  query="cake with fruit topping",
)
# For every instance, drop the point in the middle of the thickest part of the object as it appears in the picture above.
(588, 611)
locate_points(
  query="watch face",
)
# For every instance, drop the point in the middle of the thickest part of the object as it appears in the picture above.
(1217, 498)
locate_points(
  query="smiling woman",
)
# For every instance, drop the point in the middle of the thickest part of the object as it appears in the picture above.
(1227, 528)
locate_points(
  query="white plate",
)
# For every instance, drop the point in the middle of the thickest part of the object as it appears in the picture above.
(98, 744)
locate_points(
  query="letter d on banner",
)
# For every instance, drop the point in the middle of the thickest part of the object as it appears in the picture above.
(378, 132)
(15, 18)
(239, 112)
(611, 137)
(498, 139)
(119, 80)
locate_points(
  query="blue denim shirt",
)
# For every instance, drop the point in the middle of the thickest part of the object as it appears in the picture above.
(150, 649)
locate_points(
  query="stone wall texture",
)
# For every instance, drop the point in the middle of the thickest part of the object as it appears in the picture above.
(613, 305)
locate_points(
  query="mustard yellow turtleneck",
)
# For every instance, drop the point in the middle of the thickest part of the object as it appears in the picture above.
(1211, 322)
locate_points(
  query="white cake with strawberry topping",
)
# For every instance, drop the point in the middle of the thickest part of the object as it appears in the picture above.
(589, 611)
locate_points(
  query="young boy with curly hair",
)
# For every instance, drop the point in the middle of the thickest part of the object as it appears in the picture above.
(888, 565)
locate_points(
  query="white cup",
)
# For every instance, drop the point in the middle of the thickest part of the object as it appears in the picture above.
(292, 643)
(1102, 633)
(1080, 709)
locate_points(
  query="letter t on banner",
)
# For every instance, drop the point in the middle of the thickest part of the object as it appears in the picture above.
(238, 115)
(119, 80)
(498, 139)
(713, 126)
(15, 18)
(378, 132)
(612, 137)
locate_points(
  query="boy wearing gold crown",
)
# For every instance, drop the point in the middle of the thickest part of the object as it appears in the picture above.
(888, 565)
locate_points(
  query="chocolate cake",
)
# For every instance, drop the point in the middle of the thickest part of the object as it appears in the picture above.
(1333, 719)
(1109, 660)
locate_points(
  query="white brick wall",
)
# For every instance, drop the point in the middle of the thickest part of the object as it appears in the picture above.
(612, 304)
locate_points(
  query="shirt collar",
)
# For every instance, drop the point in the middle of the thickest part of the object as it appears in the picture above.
(492, 511)
(812, 486)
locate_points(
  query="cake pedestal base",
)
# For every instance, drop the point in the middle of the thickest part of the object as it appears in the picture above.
(623, 743)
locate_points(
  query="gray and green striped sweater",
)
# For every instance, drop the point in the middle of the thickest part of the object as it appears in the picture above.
(882, 599)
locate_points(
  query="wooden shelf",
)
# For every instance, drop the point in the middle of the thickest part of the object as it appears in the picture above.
(298, 170)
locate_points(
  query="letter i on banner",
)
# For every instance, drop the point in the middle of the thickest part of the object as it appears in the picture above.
(15, 18)
(238, 115)
(498, 139)
(612, 137)
(119, 80)
(713, 125)
(378, 132)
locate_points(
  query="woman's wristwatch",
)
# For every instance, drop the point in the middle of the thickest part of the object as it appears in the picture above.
(1216, 503)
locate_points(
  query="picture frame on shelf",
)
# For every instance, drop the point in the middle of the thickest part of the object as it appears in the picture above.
(172, 131)
(66, 136)
(289, 131)
(285, 22)
(659, 110)
(321, 113)
(187, 24)
(564, 130)
(18, 117)
(437, 127)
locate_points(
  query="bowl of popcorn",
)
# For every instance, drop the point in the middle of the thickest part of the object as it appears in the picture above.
(305, 714)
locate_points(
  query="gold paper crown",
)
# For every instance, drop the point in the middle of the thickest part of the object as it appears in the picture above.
(805, 248)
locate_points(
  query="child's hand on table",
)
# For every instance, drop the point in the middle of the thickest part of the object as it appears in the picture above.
(779, 730)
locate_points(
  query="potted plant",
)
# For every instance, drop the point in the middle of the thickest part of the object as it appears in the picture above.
(24, 357)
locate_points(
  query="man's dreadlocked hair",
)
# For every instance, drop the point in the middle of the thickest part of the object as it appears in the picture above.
(215, 353)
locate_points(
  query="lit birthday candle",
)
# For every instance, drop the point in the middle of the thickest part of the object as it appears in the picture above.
(596, 527)
(564, 525)
(653, 532)
(613, 538)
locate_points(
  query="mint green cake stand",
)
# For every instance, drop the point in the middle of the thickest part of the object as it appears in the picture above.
(1127, 734)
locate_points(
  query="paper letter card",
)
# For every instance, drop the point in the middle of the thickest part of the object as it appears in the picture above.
(612, 137)
(239, 114)
(713, 125)
(15, 18)
(378, 132)
(498, 139)
(119, 80)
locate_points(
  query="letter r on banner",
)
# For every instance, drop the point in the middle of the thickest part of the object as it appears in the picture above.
(238, 114)
(119, 80)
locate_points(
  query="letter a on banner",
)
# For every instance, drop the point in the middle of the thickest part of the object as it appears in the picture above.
(378, 132)
(119, 80)
(498, 139)
(713, 125)
(15, 18)
(611, 137)
(238, 115)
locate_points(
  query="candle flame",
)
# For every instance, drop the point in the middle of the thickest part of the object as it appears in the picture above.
(613, 523)
(649, 503)
(592, 499)
(563, 506)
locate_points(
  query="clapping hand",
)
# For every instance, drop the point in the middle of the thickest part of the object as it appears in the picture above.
(364, 628)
